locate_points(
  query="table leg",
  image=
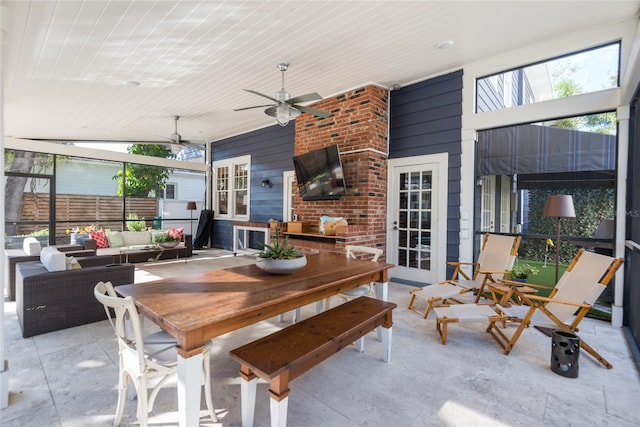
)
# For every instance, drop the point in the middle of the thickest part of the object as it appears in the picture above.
(382, 293)
(189, 387)
(235, 241)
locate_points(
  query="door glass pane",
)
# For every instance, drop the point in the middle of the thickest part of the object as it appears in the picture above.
(404, 181)
(402, 239)
(402, 257)
(404, 200)
(403, 219)
(414, 219)
(426, 200)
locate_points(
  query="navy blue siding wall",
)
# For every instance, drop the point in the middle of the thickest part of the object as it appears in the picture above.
(271, 151)
(426, 118)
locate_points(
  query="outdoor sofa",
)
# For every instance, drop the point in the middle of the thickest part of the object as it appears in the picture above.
(29, 252)
(137, 246)
(48, 301)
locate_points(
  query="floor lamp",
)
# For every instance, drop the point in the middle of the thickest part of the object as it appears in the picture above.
(191, 206)
(559, 206)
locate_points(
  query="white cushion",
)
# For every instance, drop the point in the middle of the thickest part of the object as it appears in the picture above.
(31, 246)
(52, 259)
(132, 238)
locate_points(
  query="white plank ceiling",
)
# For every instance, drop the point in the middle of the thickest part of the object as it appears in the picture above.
(70, 66)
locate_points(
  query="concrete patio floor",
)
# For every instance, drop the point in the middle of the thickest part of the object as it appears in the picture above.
(69, 378)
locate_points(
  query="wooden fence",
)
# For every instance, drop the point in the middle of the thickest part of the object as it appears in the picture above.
(73, 210)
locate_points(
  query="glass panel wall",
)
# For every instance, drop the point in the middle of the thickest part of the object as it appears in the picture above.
(520, 166)
(28, 190)
(69, 195)
(581, 72)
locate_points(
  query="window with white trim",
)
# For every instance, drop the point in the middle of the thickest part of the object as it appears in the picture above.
(170, 191)
(231, 187)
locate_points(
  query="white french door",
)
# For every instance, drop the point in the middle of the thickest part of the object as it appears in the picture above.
(288, 190)
(417, 218)
(488, 203)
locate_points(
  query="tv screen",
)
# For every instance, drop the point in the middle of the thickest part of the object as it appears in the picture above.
(319, 174)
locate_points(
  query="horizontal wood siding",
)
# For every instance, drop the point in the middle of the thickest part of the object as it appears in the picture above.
(426, 118)
(74, 210)
(271, 151)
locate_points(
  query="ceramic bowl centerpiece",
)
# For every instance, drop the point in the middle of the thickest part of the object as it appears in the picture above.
(280, 257)
(165, 241)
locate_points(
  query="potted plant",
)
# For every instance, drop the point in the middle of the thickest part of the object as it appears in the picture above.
(521, 272)
(134, 223)
(280, 257)
(165, 241)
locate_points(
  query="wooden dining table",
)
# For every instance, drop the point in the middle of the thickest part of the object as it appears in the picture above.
(199, 307)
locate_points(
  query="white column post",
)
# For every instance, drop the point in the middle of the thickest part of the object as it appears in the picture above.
(4, 363)
(623, 115)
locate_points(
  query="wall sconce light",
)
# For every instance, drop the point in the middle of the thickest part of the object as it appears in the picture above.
(266, 183)
(479, 181)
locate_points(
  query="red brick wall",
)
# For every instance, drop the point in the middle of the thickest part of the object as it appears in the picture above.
(359, 128)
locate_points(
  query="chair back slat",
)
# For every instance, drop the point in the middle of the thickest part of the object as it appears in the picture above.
(126, 324)
(353, 250)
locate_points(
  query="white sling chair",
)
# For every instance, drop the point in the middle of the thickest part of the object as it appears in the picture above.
(143, 359)
(569, 301)
(496, 258)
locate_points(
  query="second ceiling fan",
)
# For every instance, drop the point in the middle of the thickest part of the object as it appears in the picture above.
(284, 107)
(177, 143)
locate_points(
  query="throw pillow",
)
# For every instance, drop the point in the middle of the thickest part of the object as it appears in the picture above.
(72, 263)
(52, 259)
(31, 246)
(176, 233)
(101, 239)
(115, 239)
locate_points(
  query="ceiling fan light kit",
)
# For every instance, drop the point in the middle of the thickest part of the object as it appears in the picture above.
(285, 108)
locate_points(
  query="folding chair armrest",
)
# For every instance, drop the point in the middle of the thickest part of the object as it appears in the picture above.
(457, 263)
(493, 272)
(516, 284)
(547, 299)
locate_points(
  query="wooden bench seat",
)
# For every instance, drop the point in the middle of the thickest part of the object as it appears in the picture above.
(288, 353)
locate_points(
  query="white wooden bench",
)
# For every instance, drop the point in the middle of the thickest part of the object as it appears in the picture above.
(286, 354)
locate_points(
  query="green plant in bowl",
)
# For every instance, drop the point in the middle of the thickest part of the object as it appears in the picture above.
(279, 249)
(280, 257)
(164, 240)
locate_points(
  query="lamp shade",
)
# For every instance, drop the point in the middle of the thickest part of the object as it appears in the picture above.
(559, 205)
(191, 206)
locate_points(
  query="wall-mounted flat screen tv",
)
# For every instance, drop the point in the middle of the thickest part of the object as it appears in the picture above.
(319, 174)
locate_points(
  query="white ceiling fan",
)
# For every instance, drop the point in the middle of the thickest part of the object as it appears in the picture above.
(286, 108)
(176, 141)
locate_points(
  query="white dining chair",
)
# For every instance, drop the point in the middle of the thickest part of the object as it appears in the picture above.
(143, 360)
(354, 252)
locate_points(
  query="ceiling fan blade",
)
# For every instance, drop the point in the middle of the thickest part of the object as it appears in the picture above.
(305, 98)
(261, 94)
(193, 145)
(255, 106)
(318, 113)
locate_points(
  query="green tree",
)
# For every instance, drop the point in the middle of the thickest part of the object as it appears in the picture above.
(144, 180)
(565, 86)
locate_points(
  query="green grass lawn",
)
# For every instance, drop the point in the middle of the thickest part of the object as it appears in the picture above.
(546, 275)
